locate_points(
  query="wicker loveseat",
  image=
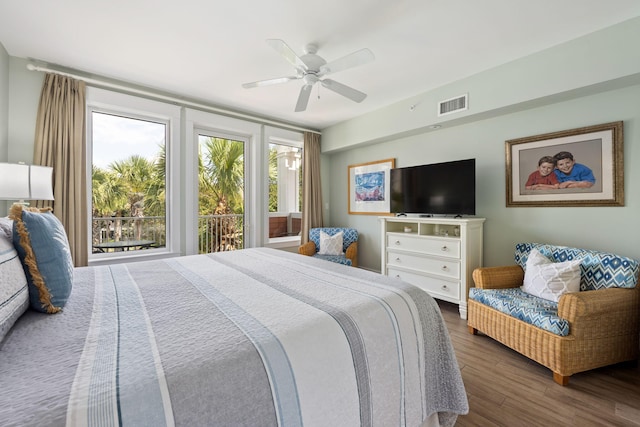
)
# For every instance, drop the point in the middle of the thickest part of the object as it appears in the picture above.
(597, 326)
(349, 255)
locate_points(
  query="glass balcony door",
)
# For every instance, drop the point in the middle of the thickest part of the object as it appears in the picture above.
(221, 192)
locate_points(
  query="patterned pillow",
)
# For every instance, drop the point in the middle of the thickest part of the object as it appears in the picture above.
(330, 245)
(550, 280)
(599, 270)
(14, 294)
(42, 245)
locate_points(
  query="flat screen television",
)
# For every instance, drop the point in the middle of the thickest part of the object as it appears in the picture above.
(447, 188)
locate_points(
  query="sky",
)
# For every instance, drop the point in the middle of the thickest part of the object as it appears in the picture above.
(116, 138)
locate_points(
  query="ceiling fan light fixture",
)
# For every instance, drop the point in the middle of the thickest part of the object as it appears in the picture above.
(310, 67)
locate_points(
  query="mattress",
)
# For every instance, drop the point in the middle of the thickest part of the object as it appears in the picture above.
(256, 337)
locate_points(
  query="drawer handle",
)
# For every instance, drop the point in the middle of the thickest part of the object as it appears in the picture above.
(398, 259)
(398, 276)
(444, 288)
(444, 248)
(397, 242)
(445, 268)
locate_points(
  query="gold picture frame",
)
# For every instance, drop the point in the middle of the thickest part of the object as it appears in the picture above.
(369, 190)
(596, 149)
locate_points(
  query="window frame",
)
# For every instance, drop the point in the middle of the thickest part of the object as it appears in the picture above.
(129, 106)
(273, 135)
(197, 121)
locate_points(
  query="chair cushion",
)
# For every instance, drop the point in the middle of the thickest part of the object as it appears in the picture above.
(340, 259)
(330, 245)
(598, 270)
(536, 311)
(550, 280)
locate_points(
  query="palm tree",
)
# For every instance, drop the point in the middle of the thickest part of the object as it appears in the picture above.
(223, 164)
(108, 199)
(221, 167)
(142, 187)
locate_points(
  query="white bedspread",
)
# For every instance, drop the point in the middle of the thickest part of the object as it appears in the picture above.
(256, 337)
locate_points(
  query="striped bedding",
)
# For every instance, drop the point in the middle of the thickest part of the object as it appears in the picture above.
(256, 337)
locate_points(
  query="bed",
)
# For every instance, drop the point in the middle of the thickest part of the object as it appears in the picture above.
(256, 337)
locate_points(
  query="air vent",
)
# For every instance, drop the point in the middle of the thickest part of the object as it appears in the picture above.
(453, 105)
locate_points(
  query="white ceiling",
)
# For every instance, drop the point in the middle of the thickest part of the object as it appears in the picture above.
(205, 49)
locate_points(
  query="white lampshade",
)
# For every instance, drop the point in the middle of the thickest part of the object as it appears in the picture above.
(14, 181)
(41, 183)
(23, 182)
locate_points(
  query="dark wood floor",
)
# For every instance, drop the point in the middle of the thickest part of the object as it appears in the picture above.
(505, 388)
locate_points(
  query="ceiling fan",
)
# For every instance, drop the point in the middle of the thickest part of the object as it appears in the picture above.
(311, 68)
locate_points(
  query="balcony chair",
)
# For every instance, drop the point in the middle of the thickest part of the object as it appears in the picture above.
(591, 323)
(346, 254)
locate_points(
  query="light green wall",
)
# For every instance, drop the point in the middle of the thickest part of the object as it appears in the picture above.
(605, 228)
(19, 98)
(4, 103)
(4, 111)
(24, 97)
(599, 61)
(598, 93)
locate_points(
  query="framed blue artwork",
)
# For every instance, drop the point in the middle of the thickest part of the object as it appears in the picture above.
(369, 192)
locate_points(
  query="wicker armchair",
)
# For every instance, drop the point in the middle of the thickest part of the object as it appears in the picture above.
(350, 245)
(604, 323)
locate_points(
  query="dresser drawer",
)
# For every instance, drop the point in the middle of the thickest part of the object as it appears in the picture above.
(439, 266)
(442, 288)
(432, 246)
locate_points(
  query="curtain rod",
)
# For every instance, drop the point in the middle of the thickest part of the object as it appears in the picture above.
(131, 90)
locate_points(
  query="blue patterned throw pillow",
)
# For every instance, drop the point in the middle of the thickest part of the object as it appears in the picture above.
(41, 242)
(598, 270)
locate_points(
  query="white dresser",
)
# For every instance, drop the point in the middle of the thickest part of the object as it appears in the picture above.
(435, 254)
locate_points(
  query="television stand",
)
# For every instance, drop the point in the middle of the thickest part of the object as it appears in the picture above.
(438, 255)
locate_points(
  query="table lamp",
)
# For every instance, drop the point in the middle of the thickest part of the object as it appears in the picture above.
(22, 182)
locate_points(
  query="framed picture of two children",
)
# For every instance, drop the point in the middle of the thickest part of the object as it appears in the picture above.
(576, 167)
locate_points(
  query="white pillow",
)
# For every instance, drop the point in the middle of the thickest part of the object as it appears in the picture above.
(330, 245)
(550, 280)
(6, 227)
(14, 293)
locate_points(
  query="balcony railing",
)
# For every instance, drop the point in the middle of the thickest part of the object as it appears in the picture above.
(216, 233)
(110, 234)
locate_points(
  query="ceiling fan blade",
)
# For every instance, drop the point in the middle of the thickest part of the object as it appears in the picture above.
(303, 98)
(268, 82)
(354, 59)
(349, 92)
(283, 49)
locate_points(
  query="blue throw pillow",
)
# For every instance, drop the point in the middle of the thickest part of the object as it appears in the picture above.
(43, 247)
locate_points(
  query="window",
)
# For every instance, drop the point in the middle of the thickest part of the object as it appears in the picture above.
(221, 203)
(130, 185)
(285, 185)
(223, 209)
(153, 177)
